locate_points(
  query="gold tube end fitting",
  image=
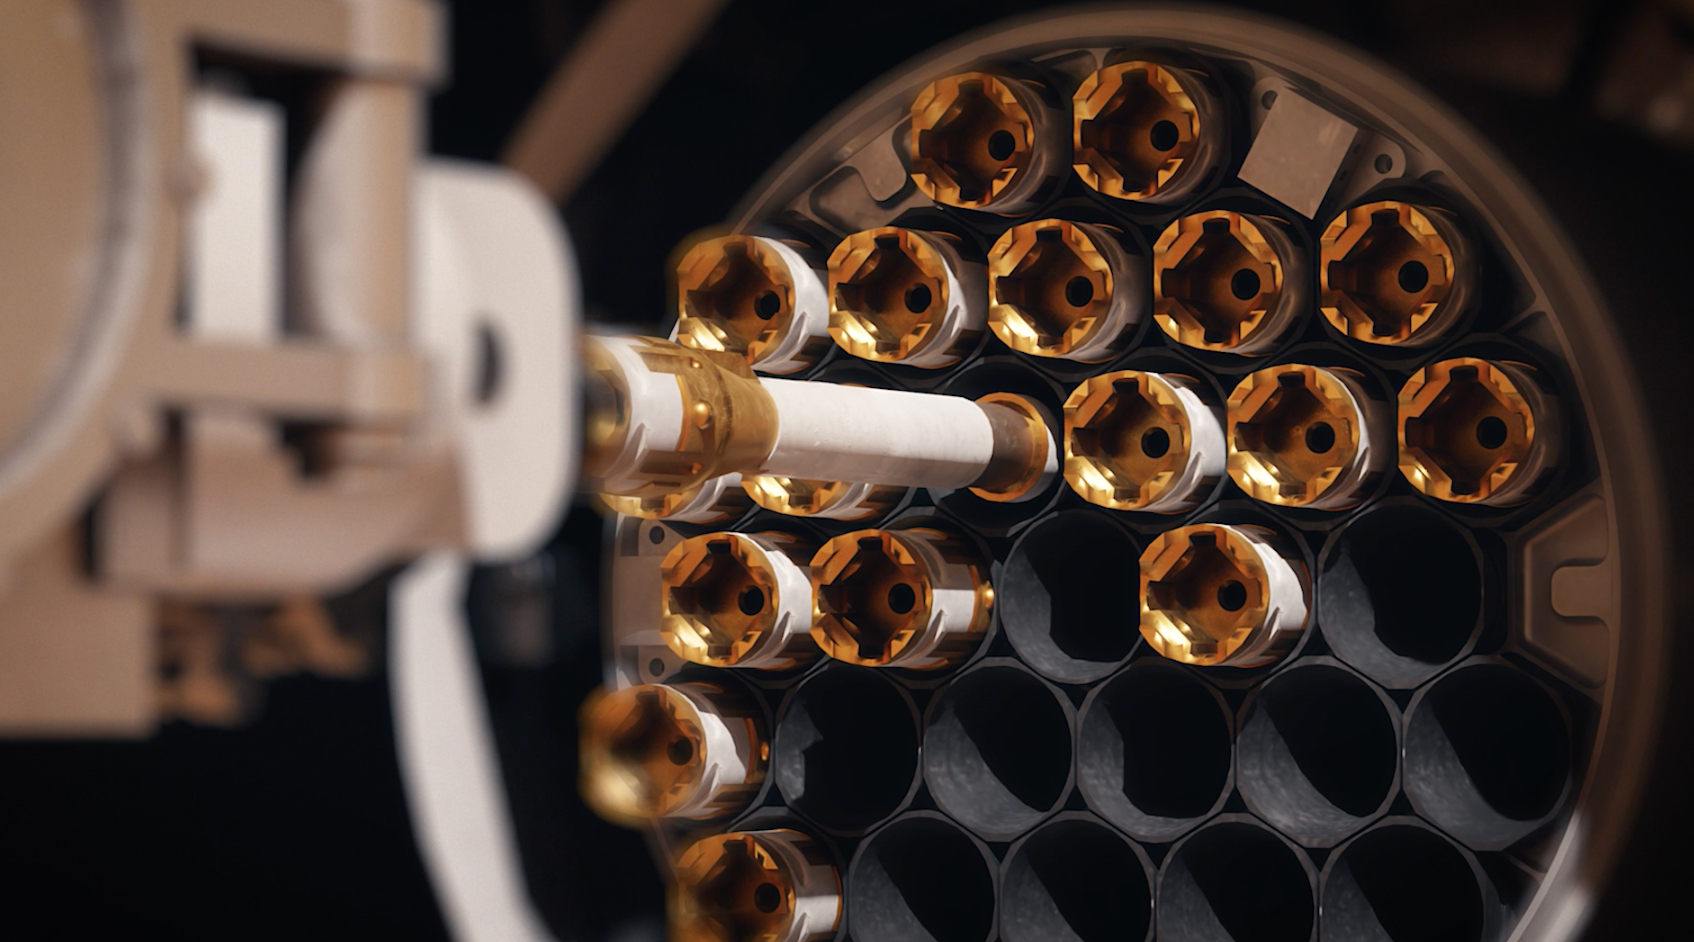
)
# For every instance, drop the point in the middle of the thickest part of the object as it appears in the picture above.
(1208, 597)
(1391, 273)
(744, 887)
(723, 601)
(973, 141)
(907, 598)
(646, 750)
(1050, 289)
(1297, 436)
(829, 500)
(1473, 432)
(1127, 439)
(1217, 282)
(889, 292)
(1137, 131)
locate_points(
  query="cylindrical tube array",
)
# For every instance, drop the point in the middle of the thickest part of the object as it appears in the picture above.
(685, 750)
(739, 600)
(916, 598)
(997, 749)
(774, 886)
(1137, 440)
(1307, 436)
(1218, 595)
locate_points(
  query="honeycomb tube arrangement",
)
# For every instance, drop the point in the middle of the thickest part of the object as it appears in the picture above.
(917, 598)
(755, 886)
(1216, 595)
(686, 750)
(739, 600)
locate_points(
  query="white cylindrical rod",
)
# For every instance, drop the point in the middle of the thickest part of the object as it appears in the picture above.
(854, 433)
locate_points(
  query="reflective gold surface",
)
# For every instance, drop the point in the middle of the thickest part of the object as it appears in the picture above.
(721, 599)
(733, 295)
(1216, 280)
(1135, 129)
(1049, 288)
(643, 753)
(887, 293)
(1203, 593)
(970, 139)
(800, 497)
(1466, 430)
(1020, 459)
(732, 502)
(730, 888)
(873, 594)
(1126, 439)
(1386, 272)
(1293, 431)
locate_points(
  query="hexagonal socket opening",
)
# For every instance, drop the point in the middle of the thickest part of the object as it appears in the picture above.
(643, 752)
(1126, 439)
(729, 888)
(1204, 592)
(1216, 280)
(1292, 433)
(1136, 130)
(1386, 272)
(1466, 431)
(872, 597)
(735, 295)
(1049, 288)
(888, 292)
(720, 599)
(970, 139)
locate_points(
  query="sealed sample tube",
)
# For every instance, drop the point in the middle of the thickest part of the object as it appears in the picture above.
(739, 600)
(915, 598)
(1307, 436)
(825, 500)
(1142, 441)
(1227, 281)
(755, 886)
(714, 500)
(904, 296)
(1146, 131)
(664, 419)
(754, 297)
(687, 750)
(1394, 273)
(1064, 289)
(1217, 595)
(1478, 431)
(990, 142)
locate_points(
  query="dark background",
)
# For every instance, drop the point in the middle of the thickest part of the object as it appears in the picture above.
(294, 825)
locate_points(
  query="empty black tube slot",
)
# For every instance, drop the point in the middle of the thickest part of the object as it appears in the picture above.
(1318, 755)
(1400, 594)
(1488, 754)
(1076, 880)
(1236, 881)
(1154, 750)
(1068, 599)
(921, 879)
(997, 751)
(1402, 882)
(846, 752)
